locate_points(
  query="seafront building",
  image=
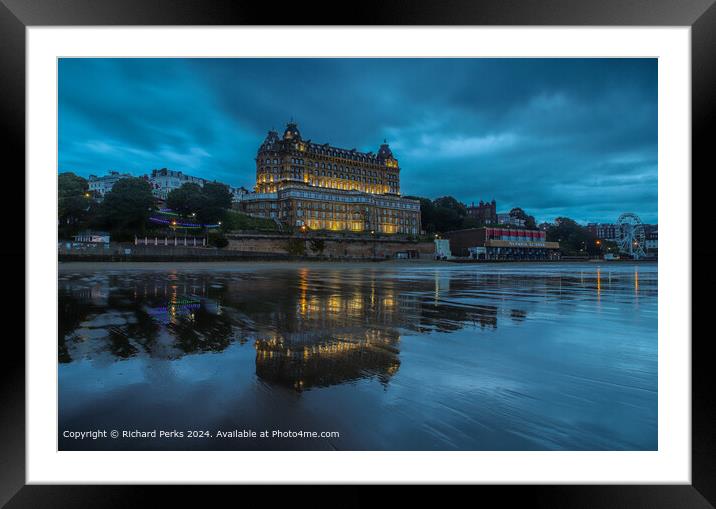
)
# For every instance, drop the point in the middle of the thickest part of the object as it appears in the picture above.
(603, 231)
(162, 181)
(484, 212)
(322, 187)
(99, 186)
(651, 243)
(502, 244)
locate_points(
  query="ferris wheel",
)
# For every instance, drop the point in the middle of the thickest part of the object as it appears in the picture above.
(630, 235)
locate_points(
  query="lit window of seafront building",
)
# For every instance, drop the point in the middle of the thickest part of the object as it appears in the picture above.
(303, 183)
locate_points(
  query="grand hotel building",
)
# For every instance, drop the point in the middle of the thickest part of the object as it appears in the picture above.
(322, 187)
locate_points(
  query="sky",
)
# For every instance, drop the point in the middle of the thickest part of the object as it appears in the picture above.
(556, 137)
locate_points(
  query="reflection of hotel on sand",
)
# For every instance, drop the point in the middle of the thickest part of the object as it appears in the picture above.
(309, 360)
(324, 339)
(309, 329)
(302, 183)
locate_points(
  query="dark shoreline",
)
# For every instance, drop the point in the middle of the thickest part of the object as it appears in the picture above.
(278, 257)
(87, 265)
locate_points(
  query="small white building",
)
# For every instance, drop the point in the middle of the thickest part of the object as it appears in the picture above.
(506, 218)
(90, 237)
(99, 186)
(442, 249)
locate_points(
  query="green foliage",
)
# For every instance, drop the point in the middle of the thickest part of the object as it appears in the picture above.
(187, 200)
(296, 247)
(74, 203)
(573, 238)
(127, 206)
(448, 202)
(447, 213)
(217, 239)
(236, 221)
(442, 214)
(317, 245)
(471, 222)
(609, 246)
(207, 204)
(217, 200)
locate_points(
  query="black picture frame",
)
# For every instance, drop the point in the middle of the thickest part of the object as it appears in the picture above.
(700, 15)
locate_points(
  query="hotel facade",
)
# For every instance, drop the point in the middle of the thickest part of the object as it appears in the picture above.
(321, 187)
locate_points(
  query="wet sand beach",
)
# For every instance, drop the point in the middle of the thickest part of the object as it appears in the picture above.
(397, 355)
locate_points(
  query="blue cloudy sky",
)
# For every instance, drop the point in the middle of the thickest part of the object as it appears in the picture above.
(557, 137)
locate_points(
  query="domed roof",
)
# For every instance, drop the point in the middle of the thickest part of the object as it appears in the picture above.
(384, 152)
(291, 132)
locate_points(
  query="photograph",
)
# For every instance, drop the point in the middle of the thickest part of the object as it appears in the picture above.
(357, 254)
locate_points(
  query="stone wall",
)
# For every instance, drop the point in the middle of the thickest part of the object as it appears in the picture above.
(131, 252)
(252, 246)
(335, 247)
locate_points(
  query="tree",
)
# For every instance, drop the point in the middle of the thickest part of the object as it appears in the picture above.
(74, 200)
(471, 222)
(448, 202)
(208, 204)
(128, 205)
(217, 199)
(573, 238)
(443, 214)
(187, 200)
(448, 214)
(518, 213)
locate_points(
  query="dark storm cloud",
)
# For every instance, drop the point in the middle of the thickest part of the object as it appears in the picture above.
(553, 136)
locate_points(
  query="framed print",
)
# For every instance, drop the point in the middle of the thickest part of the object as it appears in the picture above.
(424, 251)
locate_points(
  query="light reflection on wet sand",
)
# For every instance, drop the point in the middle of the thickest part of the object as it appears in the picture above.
(478, 357)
